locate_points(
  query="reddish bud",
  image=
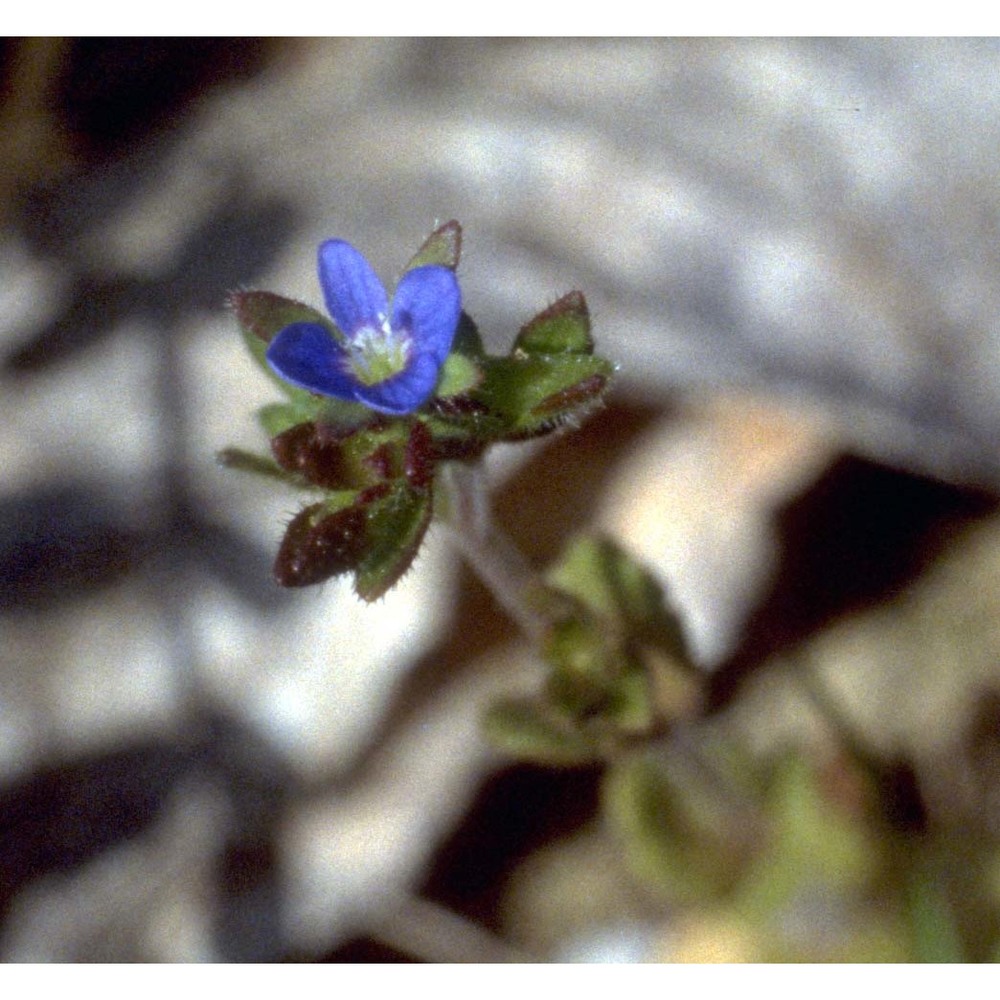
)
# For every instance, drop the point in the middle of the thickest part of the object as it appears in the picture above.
(318, 546)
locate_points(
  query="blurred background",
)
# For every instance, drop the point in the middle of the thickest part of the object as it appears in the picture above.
(789, 248)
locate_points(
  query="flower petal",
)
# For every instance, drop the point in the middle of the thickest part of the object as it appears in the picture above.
(307, 355)
(427, 306)
(354, 295)
(405, 392)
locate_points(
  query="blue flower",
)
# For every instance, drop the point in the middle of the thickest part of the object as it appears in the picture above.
(388, 360)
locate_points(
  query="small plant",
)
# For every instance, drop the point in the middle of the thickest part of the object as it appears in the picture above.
(389, 404)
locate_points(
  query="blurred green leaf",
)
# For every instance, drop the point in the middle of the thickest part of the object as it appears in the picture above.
(675, 832)
(528, 731)
(609, 581)
(813, 844)
(575, 647)
(933, 928)
(630, 706)
(622, 655)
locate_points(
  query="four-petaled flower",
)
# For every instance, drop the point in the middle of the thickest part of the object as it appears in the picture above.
(388, 360)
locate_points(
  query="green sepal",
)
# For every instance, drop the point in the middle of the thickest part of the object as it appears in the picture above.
(563, 328)
(463, 418)
(341, 414)
(459, 375)
(468, 340)
(275, 418)
(379, 451)
(454, 440)
(396, 523)
(328, 461)
(528, 731)
(303, 407)
(442, 247)
(535, 393)
(261, 315)
(463, 424)
(259, 465)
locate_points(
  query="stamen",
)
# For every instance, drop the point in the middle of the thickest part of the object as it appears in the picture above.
(375, 354)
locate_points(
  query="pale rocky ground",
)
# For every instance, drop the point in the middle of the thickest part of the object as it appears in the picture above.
(789, 248)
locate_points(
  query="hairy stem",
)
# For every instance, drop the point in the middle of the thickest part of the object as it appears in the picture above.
(489, 552)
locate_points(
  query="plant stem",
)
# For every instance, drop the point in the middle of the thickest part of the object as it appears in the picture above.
(431, 933)
(489, 552)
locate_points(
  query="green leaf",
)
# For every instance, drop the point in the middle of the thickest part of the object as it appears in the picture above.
(443, 247)
(589, 569)
(563, 328)
(575, 646)
(527, 731)
(610, 582)
(535, 393)
(396, 523)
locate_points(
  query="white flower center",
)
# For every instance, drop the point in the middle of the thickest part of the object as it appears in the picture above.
(377, 353)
